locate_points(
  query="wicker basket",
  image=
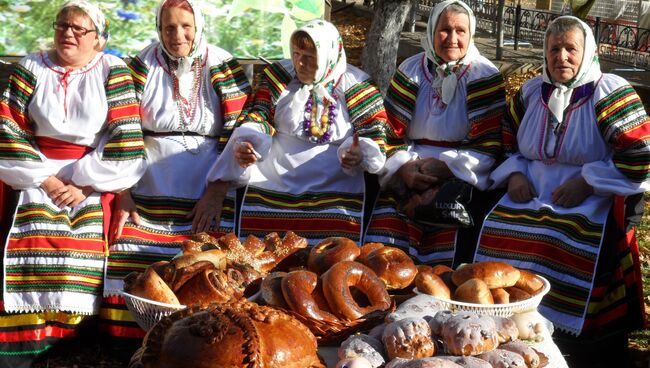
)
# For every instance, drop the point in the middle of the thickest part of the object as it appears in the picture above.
(502, 310)
(147, 312)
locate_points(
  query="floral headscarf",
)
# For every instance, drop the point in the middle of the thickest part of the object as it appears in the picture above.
(445, 81)
(198, 46)
(588, 72)
(331, 60)
(95, 14)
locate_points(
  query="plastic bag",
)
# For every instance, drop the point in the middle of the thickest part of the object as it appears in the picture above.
(446, 205)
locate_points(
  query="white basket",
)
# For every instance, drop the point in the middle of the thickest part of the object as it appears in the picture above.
(147, 312)
(501, 310)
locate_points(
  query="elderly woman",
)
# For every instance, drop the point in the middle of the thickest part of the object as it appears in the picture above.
(72, 134)
(191, 93)
(577, 143)
(448, 102)
(316, 125)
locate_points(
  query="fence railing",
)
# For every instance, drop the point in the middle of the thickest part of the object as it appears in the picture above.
(617, 41)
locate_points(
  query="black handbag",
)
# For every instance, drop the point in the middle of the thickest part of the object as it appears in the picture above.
(445, 205)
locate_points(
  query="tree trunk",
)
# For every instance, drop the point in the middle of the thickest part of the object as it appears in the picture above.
(380, 54)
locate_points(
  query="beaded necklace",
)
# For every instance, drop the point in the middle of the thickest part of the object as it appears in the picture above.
(319, 130)
(187, 108)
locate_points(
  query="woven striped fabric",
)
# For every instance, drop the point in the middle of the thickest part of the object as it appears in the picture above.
(15, 133)
(231, 85)
(139, 71)
(123, 120)
(512, 120)
(367, 113)
(566, 247)
(314, 216)
(485, 106)
(400, 104)
(274, 80)
(26, 335)
(625, 126)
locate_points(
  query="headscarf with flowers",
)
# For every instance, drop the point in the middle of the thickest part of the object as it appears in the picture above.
(184, 70)
(95, 14)
(446, 80)
(331, 61)
(588, 72)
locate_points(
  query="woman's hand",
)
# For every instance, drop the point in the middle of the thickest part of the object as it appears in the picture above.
(69, 195)
(352, 157)
(208, 209)
(520, 189)
(124, 209)
(245, 154)
(572, 192)
(414, 178)
(51, 184)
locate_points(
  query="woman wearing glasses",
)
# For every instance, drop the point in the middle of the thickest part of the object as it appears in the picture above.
(71, 132)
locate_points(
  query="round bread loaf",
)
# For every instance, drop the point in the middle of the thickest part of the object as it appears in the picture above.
(408, 338)
(469, 334)
(494, 274)
(364, 346)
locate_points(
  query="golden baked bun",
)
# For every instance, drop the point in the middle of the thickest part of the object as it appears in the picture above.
(428, 282)
(500, 296)
(474, 291)
(517, 295)
(494, 274)
(394, 267)
(529, 282)
(150, 285)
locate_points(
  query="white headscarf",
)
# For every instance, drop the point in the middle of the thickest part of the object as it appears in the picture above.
(95, 14)
(331, 60)
(588, 72)
(445, 81)
(183, 73)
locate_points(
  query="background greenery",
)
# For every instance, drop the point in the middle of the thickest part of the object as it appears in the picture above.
(246, 28)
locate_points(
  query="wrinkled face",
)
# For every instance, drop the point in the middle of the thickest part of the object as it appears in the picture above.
(564, 54)
(178, 31)
(75, 49)
(306, 63)
(451, 36)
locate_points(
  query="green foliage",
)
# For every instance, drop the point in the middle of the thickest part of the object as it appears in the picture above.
(246, 28)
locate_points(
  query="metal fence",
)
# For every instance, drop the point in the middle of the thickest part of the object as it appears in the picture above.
(617, 41)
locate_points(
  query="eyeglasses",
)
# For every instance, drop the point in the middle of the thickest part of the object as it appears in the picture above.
(78, 31)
